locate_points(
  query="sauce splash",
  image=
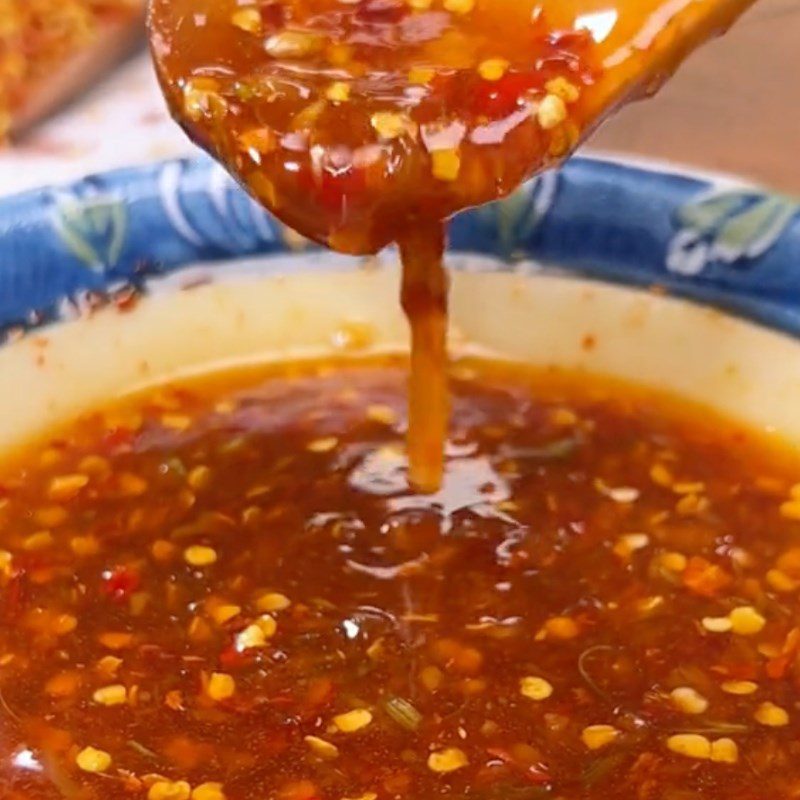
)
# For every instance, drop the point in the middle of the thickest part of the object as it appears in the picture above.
(365, 122)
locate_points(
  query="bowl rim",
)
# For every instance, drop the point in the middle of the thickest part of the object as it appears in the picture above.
(104, 238)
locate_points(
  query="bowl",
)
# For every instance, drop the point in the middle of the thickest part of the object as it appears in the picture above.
(684, 283)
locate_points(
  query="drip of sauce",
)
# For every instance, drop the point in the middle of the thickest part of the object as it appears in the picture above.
(424, 299)
(370, 122)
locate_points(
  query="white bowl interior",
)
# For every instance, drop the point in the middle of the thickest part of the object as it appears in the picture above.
(257, 314)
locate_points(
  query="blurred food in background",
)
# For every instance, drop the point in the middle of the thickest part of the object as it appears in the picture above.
(51, 49)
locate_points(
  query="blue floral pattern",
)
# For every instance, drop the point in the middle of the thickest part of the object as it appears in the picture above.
(730, 227)
(108, 236)
(219, 216)
(91, 226)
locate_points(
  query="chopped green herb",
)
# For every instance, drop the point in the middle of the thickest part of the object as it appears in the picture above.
(403, 713)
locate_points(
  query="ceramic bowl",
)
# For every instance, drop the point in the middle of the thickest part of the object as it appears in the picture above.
(138, 276)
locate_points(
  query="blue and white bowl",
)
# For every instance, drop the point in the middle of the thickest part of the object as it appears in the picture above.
(140, 275)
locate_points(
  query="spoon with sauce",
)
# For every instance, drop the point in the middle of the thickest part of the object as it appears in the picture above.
(360, 123)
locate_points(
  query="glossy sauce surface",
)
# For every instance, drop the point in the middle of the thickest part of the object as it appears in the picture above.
(226, 590)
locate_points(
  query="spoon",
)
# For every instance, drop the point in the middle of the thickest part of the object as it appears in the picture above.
(346, 118)
(365, 122)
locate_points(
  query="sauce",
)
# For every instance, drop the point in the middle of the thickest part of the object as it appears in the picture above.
(365, 122)
(226, 589)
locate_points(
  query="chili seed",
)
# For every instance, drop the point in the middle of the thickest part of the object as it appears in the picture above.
(781, 582)
(564, 628)
(322, 748)
(691, 745)
(390, 125)
(273, 601)
(445, 164)
(199, 478)
(459, 6)
(791, 510)
(324, 445)
(221, 686)
(64, 624)
(84, 546)
(65, 487)
(338, 92)
(248, 19)
(724, 751)
(114, 695)
(739, 687)
(421, 75)
(562, 88)
(91, 759)
(771, 715)
(292, 44)
(535, 688)
(448, 760)
(177, 422)
(385, 415)
(598, 736)
(551, 112)
(746, 621)
(109, 665)
(689, 700)
(169, 790)
(114, 640)
(38, 541)
(717, 624)
(674, 562)
(629, 543)
(493, 69)
(431, 678)
(352, 721)
(251, 637)
(224, 613)
(208, 791)
(200, 556)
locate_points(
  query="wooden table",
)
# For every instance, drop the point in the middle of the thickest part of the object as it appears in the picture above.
(733, 107)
